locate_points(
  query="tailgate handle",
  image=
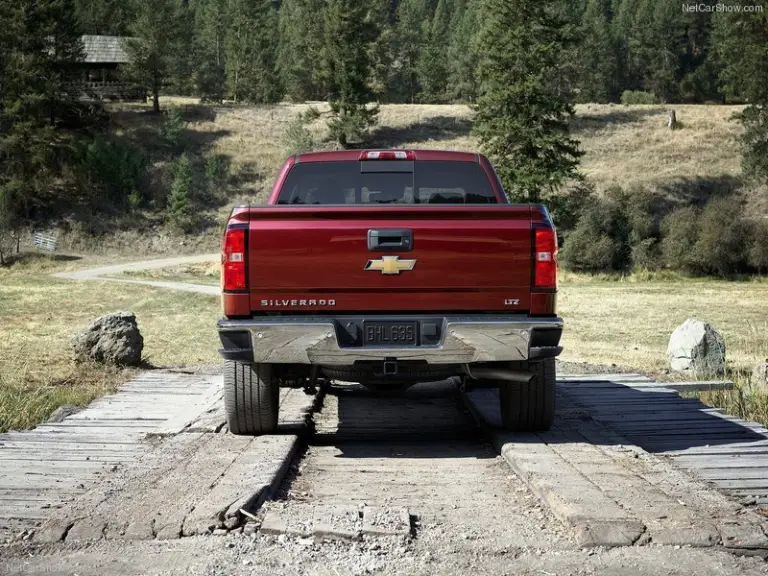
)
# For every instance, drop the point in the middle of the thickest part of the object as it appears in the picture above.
(394, 240)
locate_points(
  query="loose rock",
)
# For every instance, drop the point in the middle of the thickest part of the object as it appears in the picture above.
(698, 347)
(111, 339)
(760, 378)
(63, 412)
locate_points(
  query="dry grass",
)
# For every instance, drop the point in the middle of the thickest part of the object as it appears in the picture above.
(208, 273)
(631, 145)
(38, 315)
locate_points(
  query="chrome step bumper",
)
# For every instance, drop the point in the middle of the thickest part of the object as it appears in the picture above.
(464, 339)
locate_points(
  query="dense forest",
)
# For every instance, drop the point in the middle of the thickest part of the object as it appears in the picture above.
(418, 51)
(520, 64)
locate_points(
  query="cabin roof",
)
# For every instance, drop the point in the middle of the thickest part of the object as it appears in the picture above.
(105, 49)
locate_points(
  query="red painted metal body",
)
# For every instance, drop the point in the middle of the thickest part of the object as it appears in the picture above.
(312, 259)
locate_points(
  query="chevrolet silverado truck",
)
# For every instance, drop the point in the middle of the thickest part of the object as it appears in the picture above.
(389, 268)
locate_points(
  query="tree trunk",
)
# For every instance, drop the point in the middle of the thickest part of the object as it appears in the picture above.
(155, 94)
(672, 120)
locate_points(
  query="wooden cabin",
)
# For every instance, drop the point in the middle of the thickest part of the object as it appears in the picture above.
(100, 71)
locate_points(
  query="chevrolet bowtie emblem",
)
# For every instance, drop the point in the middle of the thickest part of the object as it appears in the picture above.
(390, 265)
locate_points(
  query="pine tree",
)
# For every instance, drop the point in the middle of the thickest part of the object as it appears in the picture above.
(180, 209)
(301, 44)
(381, 49)
(463, 56)
(109, 17)
(597, 55)
(348, 34)
(154, 43)
(664, 50)
(741, 41)
(252, 51)
(183, 58)
(409, 31)
(211, 27)
(433, 63)
(521, 112)
(39, 42)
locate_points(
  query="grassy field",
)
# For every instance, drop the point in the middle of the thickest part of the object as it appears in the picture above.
(38, 315)
(624, 145)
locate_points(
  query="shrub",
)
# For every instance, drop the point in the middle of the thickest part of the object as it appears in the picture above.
(298, 137)
(216, 169)
(599, 243)
(679, 231)
(566, 207)
(588, 250)
(173, 127)
(721, 241)
(757, 255)
(111, 171)
(180, 210)
(638, 97)
(645, 254)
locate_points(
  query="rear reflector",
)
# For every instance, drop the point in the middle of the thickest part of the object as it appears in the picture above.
(388, 155)
(545, 258)
(234, 276)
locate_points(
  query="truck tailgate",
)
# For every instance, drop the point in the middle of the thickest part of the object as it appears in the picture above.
(320, 258)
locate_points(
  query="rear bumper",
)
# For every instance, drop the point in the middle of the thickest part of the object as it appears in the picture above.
(323, 341)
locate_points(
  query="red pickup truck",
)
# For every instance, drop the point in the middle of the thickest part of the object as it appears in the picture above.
(389, 268)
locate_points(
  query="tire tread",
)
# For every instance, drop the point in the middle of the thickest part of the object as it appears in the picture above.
(530, 406)
(251, 398)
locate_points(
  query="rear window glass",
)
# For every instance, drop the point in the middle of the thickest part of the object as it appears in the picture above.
(326, 183)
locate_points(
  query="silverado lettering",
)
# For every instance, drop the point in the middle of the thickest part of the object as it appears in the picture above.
(268, 303)
(429, 256)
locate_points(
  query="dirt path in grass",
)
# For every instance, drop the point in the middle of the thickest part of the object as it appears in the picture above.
(105, 273)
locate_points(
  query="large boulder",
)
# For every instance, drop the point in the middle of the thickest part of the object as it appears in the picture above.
(760, 378)
(697, 347)
(111, 339)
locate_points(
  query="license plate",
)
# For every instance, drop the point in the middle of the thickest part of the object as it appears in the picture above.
(390, 333)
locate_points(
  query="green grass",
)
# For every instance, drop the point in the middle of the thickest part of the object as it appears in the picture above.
(39, 314)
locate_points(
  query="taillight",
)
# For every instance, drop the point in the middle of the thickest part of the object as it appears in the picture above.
(234, 276)
(388, 155)
(545, 258)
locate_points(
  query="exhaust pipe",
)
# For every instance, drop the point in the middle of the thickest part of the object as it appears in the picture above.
(488, 373)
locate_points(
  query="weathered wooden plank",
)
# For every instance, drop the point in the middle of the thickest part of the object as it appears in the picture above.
(702, 421)
(687, 416)
(722, 461)
(754, 492)
(599, 377)
(632, 404)
(717, 474)
(729, 449)
(696, 386)
(743, 484)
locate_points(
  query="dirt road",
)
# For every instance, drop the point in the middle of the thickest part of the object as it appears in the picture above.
(357, 484)
(103, 273)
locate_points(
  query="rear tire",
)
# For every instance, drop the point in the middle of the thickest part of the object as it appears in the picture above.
(530, 406)
(251, 398)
